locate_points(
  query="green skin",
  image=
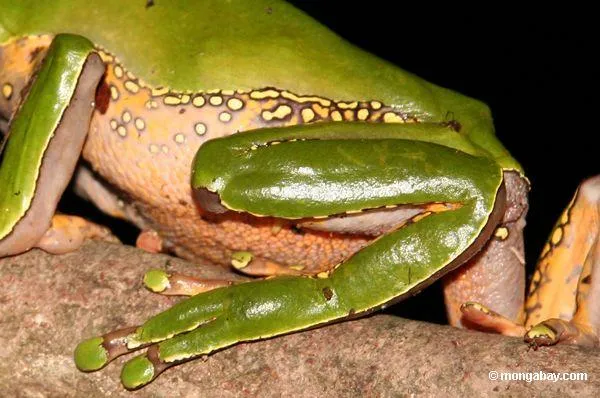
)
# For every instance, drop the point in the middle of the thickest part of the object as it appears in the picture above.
(328, 169)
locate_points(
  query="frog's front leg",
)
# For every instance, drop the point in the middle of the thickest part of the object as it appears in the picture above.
(292, 174)
(562, 305)
(563, 301)
(44, 142)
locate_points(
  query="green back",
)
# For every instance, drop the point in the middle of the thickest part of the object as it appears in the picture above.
(190, 45)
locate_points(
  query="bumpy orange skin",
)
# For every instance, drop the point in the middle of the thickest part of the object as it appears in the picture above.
(142, 141)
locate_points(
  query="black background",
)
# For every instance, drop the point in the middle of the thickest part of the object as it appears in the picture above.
(537, 73)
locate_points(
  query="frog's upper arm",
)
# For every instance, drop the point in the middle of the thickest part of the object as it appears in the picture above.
(46, 137)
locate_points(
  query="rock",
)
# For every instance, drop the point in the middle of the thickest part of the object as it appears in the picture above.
(49, 303)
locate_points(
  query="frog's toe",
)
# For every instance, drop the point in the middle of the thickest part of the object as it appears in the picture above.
(96, 352)
(141, 370)
(541, 335)
(90, 354)
(554, 331)
(175, 284)
(137, 372)
(479, 317)
(251, 265)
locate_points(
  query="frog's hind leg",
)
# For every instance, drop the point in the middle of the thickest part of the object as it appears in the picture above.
(564, 300)
(394, 266)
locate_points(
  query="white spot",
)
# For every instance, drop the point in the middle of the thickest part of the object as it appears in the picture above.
(235, 104)
(225, 117)
(122, 131)
(200, 128)
(216, 100)
(114, 93)
(180, 138)
(118, 71)
(132, 86)
(140, 124)
(198, 101)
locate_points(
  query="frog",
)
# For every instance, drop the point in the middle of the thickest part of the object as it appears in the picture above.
(343, 183)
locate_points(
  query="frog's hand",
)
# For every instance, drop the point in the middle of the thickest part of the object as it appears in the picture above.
(564, 297)
(339, 175)
(478, 317)
(44, 141)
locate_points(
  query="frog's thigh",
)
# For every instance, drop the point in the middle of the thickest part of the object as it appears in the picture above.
(565, 289)
(496, 276)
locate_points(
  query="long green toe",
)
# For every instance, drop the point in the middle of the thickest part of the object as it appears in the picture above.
(156, 280)
(137, 372)
(91, 355)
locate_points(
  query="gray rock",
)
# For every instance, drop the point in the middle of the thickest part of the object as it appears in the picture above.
(49, 303)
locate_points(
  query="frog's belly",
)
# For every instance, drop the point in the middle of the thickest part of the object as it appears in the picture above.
(143, 141)
(157, 186)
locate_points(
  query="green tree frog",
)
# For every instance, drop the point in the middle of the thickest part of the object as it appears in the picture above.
(247, 134)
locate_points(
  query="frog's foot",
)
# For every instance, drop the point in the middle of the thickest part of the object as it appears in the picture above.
(251, 265)
(175, 284)
(201, 323)
(554, 331)
(95, 353)
(479, 317)
(67, 233)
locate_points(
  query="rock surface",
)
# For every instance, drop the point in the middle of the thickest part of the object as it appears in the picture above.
(49, 303)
